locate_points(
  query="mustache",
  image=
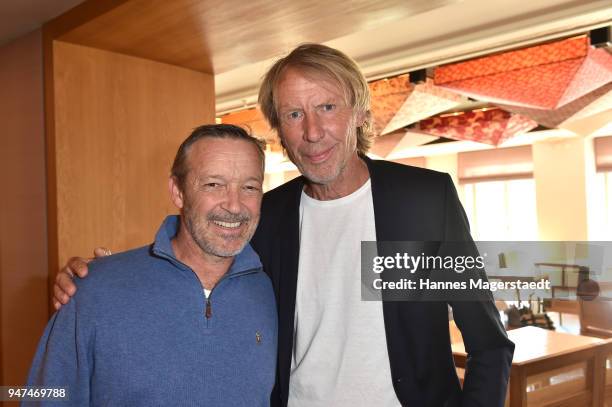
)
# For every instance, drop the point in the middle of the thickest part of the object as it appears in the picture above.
(229, 217)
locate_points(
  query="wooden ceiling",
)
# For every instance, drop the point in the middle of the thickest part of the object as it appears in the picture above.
(238, 41)
(218, 35)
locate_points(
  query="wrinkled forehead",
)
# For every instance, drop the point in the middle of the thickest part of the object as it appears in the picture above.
(321, 77)
(221, 155)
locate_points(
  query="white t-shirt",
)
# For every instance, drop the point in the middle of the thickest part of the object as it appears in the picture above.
(340, 353)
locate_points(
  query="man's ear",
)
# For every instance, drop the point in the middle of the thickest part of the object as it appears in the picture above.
(176, 193)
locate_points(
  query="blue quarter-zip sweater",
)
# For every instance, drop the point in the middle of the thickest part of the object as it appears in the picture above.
(137, 333)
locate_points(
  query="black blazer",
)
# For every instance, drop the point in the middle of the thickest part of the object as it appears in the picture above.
(410, 204)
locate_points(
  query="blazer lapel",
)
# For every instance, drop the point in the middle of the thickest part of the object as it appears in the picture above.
(392, 222)
(289, 249)
(382, 197)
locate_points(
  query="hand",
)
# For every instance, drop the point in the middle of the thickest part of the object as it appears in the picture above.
(64, 287)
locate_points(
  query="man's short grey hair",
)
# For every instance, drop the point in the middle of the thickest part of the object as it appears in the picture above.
(217, 131)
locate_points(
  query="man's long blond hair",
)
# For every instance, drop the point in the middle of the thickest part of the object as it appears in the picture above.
(328, 64)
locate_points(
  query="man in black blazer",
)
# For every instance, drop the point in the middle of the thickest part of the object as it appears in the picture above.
(409, 204)
(334, 349)
(418, 342)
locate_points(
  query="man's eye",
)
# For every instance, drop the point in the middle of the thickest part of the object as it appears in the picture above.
(294, 115)
(251, 188)
(212, 185)
(328, 107)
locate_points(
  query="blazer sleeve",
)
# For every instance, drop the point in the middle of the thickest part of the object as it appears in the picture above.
(64, 357)
(486, 342)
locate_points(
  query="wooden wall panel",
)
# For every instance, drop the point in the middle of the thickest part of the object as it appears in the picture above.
(118, 122)
(23, 233)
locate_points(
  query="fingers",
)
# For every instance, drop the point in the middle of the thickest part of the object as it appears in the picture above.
(76, 266)
(63, 288)
(60, 297)
(102, 252)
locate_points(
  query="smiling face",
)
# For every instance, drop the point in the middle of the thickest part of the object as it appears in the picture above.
(317, 126)
(221, 198)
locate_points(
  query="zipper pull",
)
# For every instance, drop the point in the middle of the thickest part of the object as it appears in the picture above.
(208, 312)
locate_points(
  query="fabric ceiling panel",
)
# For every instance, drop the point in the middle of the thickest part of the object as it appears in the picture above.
(425, 100)
(388, 95)
(588, 105)
(544, 76)
(489, 126)
(397, 103)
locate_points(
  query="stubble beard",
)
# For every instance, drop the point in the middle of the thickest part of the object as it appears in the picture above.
(197, 227)
(335, 172)
(328, 178)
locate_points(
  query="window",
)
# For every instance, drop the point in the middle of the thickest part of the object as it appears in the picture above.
(499, 193)
(502, 210)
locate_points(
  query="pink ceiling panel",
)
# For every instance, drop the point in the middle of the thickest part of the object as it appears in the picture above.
(425, 100)
(544, 76)
(387, 96)
(592, 103)
(492, 126)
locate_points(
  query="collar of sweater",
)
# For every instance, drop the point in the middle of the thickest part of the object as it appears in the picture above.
(246, 260)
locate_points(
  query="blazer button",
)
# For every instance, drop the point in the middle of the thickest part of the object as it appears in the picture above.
(399, 380)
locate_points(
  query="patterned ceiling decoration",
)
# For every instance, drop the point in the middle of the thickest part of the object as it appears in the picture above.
(545, 76)
(388, 95)
(424, 101)
(600, 104)
(489, 126)
(586, 106)
(396, 103)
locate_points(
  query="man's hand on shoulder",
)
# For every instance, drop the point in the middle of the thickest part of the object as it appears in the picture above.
(64, 287)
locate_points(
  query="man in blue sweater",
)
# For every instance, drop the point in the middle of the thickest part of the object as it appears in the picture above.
(123, 341)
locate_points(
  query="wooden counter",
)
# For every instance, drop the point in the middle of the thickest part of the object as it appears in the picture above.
(553, 368)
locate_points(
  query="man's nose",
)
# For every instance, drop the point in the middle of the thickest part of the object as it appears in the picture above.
(232, 202)
(313, 130)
